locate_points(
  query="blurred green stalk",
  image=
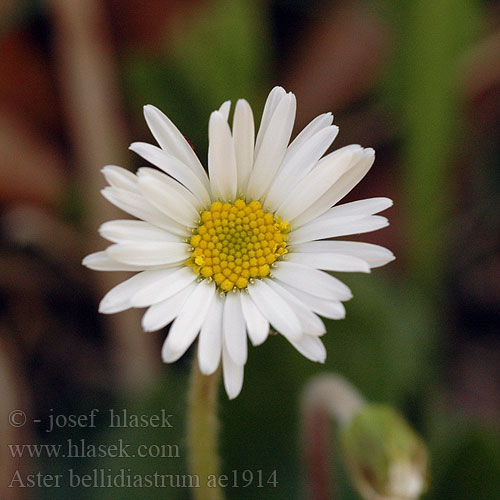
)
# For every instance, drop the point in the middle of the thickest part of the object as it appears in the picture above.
(437, 32)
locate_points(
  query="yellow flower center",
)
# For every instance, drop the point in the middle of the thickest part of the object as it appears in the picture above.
(236, 242)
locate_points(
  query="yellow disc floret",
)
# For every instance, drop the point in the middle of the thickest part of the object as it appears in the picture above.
(236, 242)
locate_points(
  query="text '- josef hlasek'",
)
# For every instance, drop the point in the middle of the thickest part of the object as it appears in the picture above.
(112, 418)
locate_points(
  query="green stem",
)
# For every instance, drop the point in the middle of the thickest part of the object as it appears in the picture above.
(202, 433)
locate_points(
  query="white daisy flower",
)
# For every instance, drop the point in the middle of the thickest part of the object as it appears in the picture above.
(246, 247)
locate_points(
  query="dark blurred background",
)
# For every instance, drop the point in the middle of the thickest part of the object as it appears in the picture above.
(418, 81)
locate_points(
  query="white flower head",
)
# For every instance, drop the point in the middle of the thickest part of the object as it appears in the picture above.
(245, 247)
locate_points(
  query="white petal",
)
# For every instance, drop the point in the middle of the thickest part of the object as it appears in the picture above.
(374, 255)
(328, 308)
(353, 148)
(351, 179)
(233, 374)
(221, 158)
(171, 198)
(269, 156)
(312, 128)
(243, 138)
(120, 178)
(149, 253)
(312, 281)
(188, 323)
(172, 141)
(257, 325)
(173, 167)
(173, 281)
(333, 227)
(275, 309)
(298, 164)
(315, 184)
(136, 205)
(118, 298)
(330, 262)
(311, 347)
(311, 324)
(161, 178)
(369, 206)
(233, 327)
(224, 109)
(360, 164)
(273, 99)
(100, 261)
(210, 341)
(164, 312)
(134, 230)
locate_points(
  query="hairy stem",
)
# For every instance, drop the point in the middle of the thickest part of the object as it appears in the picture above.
(202, 433)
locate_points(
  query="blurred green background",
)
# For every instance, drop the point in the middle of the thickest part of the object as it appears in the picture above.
(418, 81)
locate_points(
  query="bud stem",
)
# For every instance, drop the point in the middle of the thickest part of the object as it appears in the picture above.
(327, 396)
(334, 396)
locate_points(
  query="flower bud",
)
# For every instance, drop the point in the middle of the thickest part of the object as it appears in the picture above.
(387, 460)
